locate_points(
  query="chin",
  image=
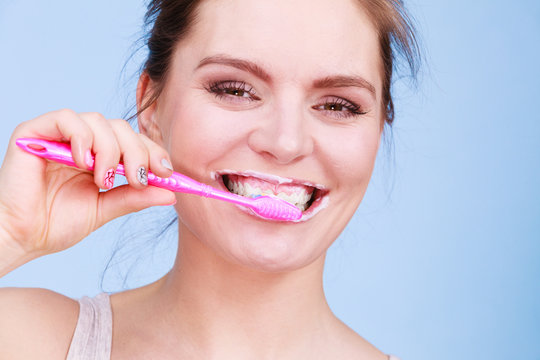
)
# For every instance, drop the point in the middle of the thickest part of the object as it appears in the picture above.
(243, 239)
(273, 255)
(269, 247)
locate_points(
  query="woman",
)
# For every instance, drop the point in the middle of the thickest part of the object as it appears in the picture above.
(285, 96)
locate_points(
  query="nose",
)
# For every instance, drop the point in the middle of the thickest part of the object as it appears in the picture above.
(283, 136)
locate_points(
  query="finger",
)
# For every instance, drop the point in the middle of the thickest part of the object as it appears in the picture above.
(105, 148)
(62, 125)
(160, 161)
(134, 153)
(125, 199)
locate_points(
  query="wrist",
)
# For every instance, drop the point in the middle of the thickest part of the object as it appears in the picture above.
(12, 255)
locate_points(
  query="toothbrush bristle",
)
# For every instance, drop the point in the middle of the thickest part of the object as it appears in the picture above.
(276, 209)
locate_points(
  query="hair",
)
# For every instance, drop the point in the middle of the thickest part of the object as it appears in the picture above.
(169, 22)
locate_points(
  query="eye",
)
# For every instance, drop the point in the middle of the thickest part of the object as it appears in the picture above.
(233, 90)
(339, 107)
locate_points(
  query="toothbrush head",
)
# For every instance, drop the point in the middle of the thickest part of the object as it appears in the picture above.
(275, 209)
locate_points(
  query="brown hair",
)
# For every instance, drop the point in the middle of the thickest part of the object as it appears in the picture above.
(170, 20)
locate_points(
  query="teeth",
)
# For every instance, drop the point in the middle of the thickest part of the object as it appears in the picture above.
(250, 191)
(299, 199)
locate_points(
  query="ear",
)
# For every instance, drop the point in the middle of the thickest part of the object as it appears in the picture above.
(146, 118)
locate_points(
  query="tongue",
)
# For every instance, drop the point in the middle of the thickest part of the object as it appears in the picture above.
(269, 187)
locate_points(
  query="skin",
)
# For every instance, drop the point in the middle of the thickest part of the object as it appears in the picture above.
(241, 287)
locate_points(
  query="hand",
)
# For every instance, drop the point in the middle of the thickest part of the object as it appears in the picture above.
(47, 207)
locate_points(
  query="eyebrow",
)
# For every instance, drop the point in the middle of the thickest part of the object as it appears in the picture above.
(337, 81)
(236, 63)
(344, 81)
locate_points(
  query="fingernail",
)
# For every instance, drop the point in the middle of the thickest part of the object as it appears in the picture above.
(166, 164)
(142, 175)
(109, 179)
(88, 159)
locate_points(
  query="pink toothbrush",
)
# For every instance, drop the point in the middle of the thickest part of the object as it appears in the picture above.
(264, 206)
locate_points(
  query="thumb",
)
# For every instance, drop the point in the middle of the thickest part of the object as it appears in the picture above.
(126, 199)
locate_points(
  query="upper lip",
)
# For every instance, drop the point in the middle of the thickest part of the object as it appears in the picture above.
(274, 179)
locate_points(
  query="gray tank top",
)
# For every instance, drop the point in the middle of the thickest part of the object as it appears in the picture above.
(93, 335)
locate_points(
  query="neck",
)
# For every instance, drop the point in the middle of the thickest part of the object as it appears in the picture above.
(220, 305)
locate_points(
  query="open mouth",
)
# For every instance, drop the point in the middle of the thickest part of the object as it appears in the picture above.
(305, 196)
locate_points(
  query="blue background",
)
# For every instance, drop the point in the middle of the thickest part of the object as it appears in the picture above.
(441, 261)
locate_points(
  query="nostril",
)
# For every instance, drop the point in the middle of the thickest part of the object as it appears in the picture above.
(283, 149)
(282, 138)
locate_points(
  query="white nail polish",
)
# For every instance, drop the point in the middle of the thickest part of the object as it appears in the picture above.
(166, 164)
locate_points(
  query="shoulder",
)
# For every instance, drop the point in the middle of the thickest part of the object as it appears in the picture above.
(349, 345)
(36, 323)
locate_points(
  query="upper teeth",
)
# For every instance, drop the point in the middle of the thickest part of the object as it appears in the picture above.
(299, 198)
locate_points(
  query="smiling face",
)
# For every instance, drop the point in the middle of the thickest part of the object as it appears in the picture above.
(273, 97)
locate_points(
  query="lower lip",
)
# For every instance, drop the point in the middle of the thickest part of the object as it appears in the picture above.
(319, 204)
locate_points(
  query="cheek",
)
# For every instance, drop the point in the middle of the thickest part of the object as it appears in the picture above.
(351, 153)
(199, 132)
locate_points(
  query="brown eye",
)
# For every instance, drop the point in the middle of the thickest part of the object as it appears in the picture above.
(339, 108)
(234, 90)
(333, 107)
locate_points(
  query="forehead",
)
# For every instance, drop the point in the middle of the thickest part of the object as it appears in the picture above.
(304, 38)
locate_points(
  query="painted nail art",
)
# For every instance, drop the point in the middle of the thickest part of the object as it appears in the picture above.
(109, 178)
(142, 175)
(166, 164)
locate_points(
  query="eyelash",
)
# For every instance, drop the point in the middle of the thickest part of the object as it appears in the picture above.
(223, 89)
(351, 109)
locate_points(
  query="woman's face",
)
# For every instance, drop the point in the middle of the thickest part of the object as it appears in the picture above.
(283, 96)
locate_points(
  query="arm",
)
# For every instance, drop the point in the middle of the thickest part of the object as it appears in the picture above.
(36, 324)
(11, 257)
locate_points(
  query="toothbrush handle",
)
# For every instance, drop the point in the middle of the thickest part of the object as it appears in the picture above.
(181, 183)
(61, 153)
(269, 208)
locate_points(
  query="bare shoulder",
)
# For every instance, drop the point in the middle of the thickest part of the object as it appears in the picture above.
(36, 323)
(349, 345)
